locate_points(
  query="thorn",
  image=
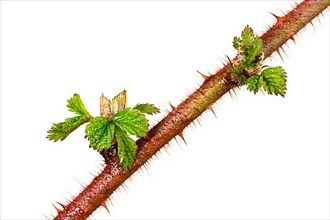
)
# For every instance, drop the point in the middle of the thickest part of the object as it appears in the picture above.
(235, 95)
(231, 95)
(279, 20)
(173, 108)
(165, 149)
(234, 90)
(198, 121)
(124, 185)
(176, 141)
(284, 50)
(82, 184)
(156, 155)
(212, 110)
(181, 136)
(311, 22)
(111, 201)
(146, 165)
(149, 138)
(46, 217)
(203, 75)
(63, 206)
(229, 61)
(283, 13)
(291, 36)
(270, 58)
(318, 19)
(223, 63)
(279, 53)
(104, 204)
(146, 168)
(57, 209)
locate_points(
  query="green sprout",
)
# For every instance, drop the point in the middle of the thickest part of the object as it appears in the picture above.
(248, 67)
(117, 122)
(115, 125)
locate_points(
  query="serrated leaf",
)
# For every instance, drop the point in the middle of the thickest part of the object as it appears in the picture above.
(249, 48)
(147, 108)
(61, 130)
(274, 80)
(126, 149)
(100, 133)
(131, 121)
(118, 103)
(254, 83)
(237, 42)
(105, 107)
(76, 105)
(247, 34)
(252, 54)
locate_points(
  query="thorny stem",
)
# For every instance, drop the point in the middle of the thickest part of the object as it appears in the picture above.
(174, 123)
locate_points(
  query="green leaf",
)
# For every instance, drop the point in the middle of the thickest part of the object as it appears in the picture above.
(100, 133)
(131, 121)
(247, 34)
(147, 108)
(252, 54)
(254, 83)
(76, 105)
(249, 48)
(118, 103)
(126, 149)
(238, 75)
(249, 60)
(274, 80)
(61, 130)
(237, 42)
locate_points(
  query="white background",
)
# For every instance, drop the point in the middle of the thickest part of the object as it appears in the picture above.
(263, 157)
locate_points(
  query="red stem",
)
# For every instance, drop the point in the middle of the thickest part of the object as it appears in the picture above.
(173, 124)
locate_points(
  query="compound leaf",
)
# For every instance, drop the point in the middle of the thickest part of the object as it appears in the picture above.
(249, 48)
